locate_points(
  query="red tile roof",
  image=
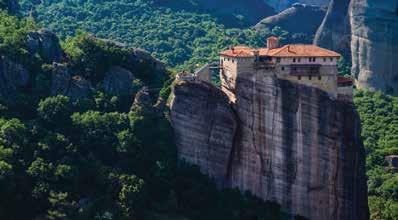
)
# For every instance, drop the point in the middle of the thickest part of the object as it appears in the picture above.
(290, 50)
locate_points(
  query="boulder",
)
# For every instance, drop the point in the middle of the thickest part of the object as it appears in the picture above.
(45, 43)
(13, 76)
(63, 83)
(139, 54)
(118, 81)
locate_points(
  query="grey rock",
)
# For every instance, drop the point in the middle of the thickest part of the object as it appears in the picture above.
(204, 124)
(63, 83)
(303, 19)
(143, 98)
(139, 55)
(335, 30)
(13, 76)
(119, 82)
(374, 44)
(281, 141)
(45, 43)
(281, 5)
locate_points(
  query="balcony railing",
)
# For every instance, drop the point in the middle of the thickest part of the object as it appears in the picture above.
(305, 70)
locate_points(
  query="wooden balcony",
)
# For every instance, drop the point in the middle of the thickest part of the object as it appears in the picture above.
(305, 70)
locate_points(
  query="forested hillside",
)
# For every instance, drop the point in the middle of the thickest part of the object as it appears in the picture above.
(175, 33)
(379, 116)
(96, 159)
(74, 146)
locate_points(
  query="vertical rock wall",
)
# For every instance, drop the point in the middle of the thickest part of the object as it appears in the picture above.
(335, 31)
(281, 141)
(204, 126)
(374, 45)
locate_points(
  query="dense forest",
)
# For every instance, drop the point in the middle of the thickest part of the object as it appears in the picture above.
(96, 158)
(178, 34)
(379, 116)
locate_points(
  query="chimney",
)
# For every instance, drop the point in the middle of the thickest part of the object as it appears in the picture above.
(232, 48)
(272, 42)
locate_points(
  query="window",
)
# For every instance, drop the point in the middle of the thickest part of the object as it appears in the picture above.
(313, 59)
(283, 68)
(299, 77)
(310, 59)
(310, 77)
(319, 77)
(278, 59)
(228, 59)
(233, 61)
(324, 59)
(294, 60)
(298, 60)
(331, 59)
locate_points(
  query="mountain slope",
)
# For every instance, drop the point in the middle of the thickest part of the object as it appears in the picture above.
(231, 13)
(176, 34)
(281, 5)
(310, 17)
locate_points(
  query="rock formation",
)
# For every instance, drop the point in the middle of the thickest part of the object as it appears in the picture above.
(280, 5)
(63, 83)
(119, 81)
(374, 44)
(335, 31)
(13, 76)
(204, 120)
(281, 141)
(46, 44)
(310, 16)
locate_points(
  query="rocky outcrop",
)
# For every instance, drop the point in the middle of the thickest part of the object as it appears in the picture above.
(119, 82)
(46, 44)
(280, 5)
(281, 141)
(140, 55)
(63, 83)
(309, 16)
(13, 76)
(335, 31)
(374, 44)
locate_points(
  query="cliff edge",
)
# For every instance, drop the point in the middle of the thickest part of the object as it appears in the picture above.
(281, 141)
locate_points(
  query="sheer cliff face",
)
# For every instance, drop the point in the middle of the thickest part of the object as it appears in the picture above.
(335, 31)
(281, 141)
(374, 45)
(204, 126)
